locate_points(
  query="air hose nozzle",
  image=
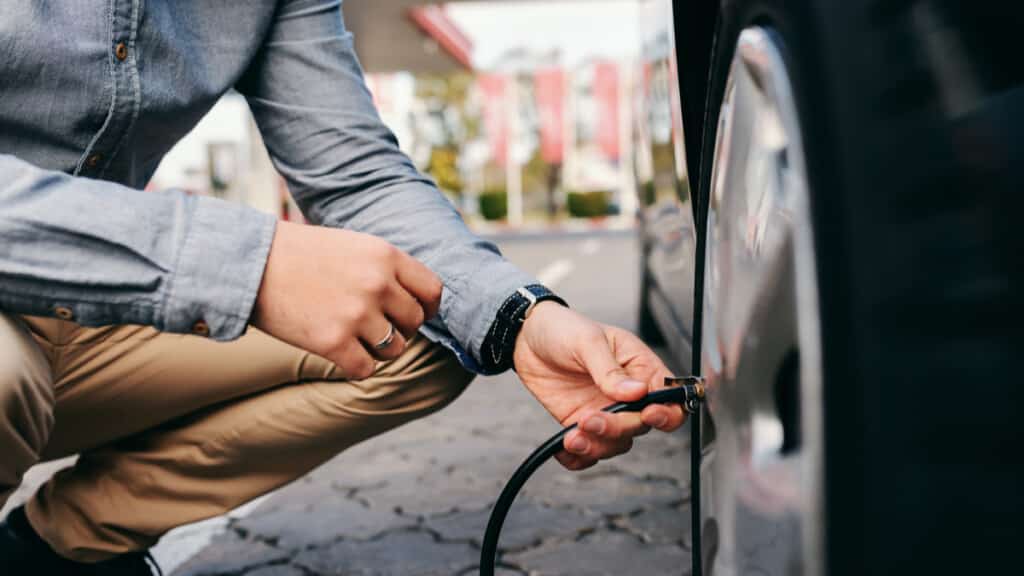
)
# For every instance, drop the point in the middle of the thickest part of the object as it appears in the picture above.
(692, 390)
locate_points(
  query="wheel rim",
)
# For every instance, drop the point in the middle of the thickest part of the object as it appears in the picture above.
(761, 351)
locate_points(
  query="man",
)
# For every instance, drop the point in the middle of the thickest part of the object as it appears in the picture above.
(124, 315)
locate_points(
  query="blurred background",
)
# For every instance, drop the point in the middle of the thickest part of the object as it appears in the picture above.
(525, 114)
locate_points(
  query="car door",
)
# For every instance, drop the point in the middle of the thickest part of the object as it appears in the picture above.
(667, 209)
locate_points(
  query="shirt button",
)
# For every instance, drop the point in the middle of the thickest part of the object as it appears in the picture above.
(201, 328)
(93, 160)
(63, 312)
(121, 51)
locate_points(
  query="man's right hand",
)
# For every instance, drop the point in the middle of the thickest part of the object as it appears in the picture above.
(334, 292)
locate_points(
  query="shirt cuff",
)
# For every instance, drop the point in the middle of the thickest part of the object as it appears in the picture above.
(219, 270)
(470, 303)
(499, 346)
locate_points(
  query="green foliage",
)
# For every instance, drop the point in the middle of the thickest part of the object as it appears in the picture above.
(588, 204)
(494, 205)
(451, 92)
(446, 98)
(541, 180)
(535, 174)
(648, 193)
(443, 167)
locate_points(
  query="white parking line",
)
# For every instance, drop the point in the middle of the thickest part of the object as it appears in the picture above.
(555, 272)
(590, 246)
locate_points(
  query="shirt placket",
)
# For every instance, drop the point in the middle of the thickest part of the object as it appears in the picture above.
(122, 61)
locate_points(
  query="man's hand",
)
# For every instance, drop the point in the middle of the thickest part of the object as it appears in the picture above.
(575, 367)
(333, 292)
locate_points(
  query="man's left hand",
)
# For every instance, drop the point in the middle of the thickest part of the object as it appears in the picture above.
(575, 367)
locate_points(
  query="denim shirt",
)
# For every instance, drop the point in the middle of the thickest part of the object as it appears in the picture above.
(93, 93)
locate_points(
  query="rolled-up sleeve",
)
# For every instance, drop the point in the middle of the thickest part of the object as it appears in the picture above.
(345, 169)
(102, 253)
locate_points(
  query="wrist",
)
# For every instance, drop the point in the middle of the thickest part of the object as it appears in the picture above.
(537, 318)
(499, 344)
(277, 260)
(539, 311)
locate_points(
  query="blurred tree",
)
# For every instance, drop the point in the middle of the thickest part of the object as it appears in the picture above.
(588, 204)
(540, 176)
(443, 167)
(494, 204)
(453, 124)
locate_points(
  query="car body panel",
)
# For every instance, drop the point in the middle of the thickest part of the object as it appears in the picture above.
(667, 211)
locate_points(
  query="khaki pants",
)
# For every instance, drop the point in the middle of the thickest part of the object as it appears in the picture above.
(173, 428)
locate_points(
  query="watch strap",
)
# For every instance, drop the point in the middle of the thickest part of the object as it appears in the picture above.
(496, 352)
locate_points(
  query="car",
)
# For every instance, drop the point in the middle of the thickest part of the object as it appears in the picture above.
(830, 197)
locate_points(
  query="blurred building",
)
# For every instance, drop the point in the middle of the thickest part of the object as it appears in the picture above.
(530, 126)
(407, 35)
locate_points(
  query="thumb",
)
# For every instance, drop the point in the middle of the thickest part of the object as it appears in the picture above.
(599, 361)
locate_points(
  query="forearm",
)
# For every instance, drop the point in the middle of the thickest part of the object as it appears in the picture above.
(366, 184)
(114, 255)
(345, 169)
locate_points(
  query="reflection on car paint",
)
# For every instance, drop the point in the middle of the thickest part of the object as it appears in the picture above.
(667, 215)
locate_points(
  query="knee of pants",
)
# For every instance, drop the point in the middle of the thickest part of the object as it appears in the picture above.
(430, 381)
(312, 421)
(26, 404)
(453, 381)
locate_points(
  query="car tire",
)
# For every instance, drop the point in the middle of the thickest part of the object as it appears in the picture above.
(914, 239)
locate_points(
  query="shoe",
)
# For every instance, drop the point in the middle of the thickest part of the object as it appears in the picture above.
(22, 551)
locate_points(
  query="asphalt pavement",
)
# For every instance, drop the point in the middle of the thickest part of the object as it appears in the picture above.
(415, 501)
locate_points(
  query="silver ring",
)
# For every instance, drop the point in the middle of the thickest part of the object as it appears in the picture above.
(387, 339)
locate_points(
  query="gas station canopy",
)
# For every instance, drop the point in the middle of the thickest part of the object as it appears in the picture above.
(410, 35)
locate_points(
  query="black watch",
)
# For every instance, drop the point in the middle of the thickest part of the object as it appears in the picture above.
(496, 352)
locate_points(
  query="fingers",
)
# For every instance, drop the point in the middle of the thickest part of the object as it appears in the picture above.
(612, 426)
(599, 360)
(353, 359)
(663, 417)
(588, 447)
(574, 462)
(375, 331)
(601, 435)
(421, 283)
(660, 417)
(405, 311)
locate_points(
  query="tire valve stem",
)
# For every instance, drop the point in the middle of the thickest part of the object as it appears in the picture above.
(693, 391)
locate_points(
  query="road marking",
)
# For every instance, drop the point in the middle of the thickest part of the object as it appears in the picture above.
(555, 272)
(590, 246)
